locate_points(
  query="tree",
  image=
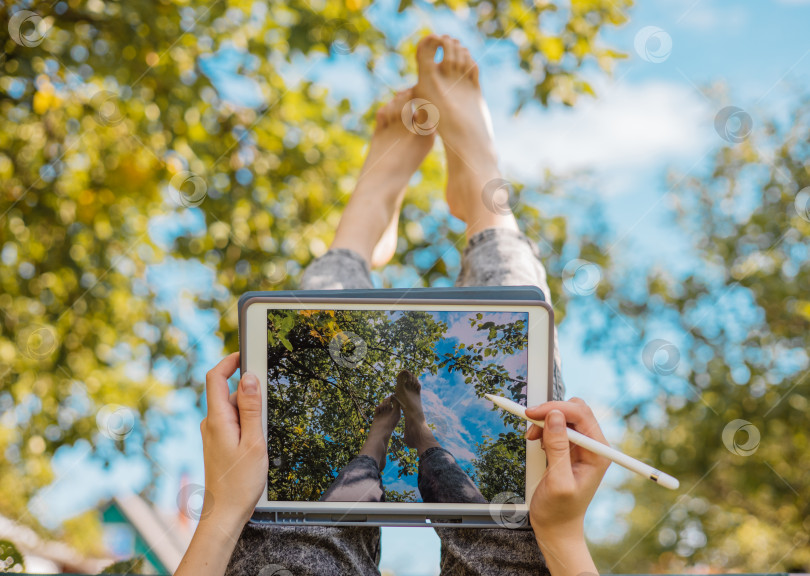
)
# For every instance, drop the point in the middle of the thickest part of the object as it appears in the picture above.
(500, 465)
(114, 139)
(734, 384)
(331, 368)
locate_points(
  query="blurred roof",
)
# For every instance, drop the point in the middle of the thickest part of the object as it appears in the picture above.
(31, 544)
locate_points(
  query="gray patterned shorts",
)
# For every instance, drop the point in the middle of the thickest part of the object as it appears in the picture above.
(492, 257)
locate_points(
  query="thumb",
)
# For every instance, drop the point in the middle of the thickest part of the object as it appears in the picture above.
(558, 449)
(249, 402)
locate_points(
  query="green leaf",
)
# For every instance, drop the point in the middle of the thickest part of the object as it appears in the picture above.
(132, 566)
(11, 559)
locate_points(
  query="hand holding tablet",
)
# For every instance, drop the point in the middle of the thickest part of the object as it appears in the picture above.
(235, 468)
(234, 448)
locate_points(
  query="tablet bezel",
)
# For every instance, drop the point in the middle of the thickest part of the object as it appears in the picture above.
(253, 316)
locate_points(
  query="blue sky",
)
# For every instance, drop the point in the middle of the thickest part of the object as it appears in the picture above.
(649, 117)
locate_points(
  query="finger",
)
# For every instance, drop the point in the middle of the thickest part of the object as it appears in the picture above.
(534, 432)
(249, 402)
(576, 413)
(559, 474)
(232, 398)
(216, 382)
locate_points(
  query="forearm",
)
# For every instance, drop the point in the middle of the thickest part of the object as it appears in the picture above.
(567, 555)
(210, 548)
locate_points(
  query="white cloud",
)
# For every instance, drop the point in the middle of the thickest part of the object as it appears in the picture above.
(703, 17)
(515, 364)
(627, 129)
(450, 431)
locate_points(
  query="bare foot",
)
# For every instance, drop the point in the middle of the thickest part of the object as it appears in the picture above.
(408, 392)
(466, 130)
(386, 416)
(369, 223)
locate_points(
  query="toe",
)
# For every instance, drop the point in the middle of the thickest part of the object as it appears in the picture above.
(403, 377)
(398, 105)
(456, 61)
(470, 67)
(426, 51)
(449, 56)
(465, 59)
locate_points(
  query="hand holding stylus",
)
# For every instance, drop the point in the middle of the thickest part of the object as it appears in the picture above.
(573, 474)
(589, 443)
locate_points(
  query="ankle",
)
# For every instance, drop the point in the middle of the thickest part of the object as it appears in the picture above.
(477, 225)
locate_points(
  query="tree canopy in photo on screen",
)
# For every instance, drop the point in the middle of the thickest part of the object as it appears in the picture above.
(329, 369)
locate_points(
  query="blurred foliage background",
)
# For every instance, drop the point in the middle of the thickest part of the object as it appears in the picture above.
(113, 135)
(111, 129)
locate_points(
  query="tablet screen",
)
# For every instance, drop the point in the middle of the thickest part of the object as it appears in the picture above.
(349, 390)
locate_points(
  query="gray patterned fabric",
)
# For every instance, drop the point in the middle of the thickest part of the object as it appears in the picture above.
(493, 257)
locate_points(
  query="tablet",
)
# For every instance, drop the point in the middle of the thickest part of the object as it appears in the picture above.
(355, 379)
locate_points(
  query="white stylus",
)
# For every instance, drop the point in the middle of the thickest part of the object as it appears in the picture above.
(588, 443)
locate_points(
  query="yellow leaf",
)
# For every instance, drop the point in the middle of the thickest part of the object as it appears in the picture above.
(43, 101)
(552, 47)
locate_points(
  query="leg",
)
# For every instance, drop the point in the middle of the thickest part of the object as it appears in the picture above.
(360, 480)
(504, 257)
(305, 551)
(497, 254)
(441, 479)
(369, 222)
(367, 233)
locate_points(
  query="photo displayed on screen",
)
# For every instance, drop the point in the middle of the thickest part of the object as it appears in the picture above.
(351, 391)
